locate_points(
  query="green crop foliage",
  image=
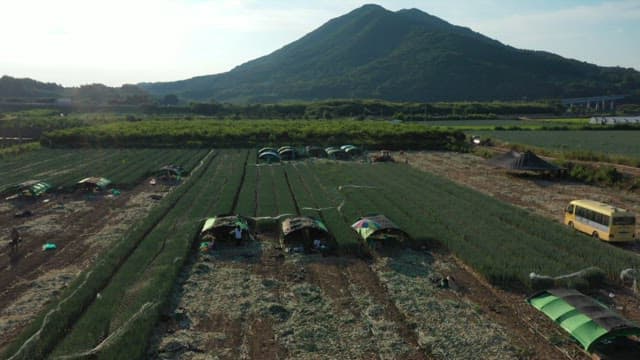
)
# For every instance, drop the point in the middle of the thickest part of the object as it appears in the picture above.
(234, 133)
(575, 144)
(135, 278)
(63, 168)
(148, 275)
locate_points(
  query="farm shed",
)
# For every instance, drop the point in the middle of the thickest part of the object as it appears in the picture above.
(587, 320)
(287, 153)
(170, 171)
(93, 184)
(351, 149)
(336, 153)
(267, 149)
(269, 156)
(222, 227)
(315, 151)
(526, 161)
(379, 231)
(31, 188)
(286, 147)
(306, 234)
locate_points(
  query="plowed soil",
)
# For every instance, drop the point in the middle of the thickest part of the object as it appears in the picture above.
(82, 226)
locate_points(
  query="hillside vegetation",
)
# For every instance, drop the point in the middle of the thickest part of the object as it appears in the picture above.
(406, 55)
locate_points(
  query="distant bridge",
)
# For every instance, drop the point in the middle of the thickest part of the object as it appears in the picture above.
(599, 102)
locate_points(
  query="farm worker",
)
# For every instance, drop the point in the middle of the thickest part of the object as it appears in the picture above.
(238, 235)
(15, 239)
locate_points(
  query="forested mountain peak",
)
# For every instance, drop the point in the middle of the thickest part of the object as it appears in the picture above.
(407, 55)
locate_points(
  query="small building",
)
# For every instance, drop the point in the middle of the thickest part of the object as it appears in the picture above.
(27, 189)
(170, 172)
(93, 184)
(336, 153)
(306, 234)
(351, 150)
(287, 153)
(222, 228)
(315, 151)
(269, 156)
(267, 149)
(587, 320)
(379, 232)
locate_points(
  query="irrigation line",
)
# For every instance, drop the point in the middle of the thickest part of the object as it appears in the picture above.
(341, 205)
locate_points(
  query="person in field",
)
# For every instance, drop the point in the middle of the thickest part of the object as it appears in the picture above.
(238, 235)
(16, 238)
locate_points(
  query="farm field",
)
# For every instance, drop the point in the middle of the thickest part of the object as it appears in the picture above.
(528, 123)
(63, 168)
(153, 287)
(610, 142)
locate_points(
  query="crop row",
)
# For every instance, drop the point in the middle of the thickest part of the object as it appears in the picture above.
(45, 332)
(65, 167)
(119, 322)
(141, 288)
(318, 200)
(502, 242)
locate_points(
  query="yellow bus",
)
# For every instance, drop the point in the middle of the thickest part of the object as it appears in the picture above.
(600, 220)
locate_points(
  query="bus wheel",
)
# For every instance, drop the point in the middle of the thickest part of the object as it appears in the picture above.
(571, 225)
(595, 235)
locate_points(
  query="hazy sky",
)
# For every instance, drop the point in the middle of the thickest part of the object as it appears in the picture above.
(73, 42)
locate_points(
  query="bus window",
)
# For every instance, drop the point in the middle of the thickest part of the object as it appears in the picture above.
(626, 220)
(569, 209)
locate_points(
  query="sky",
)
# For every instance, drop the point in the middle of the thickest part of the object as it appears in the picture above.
(76, 42)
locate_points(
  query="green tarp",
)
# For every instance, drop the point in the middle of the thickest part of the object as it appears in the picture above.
(229, 221)
(29, 188)
(100, 182)
(587, 320)
(291, 225)
(369, 225)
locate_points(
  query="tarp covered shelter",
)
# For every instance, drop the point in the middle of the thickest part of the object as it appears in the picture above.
(351, 149)
(222, 227)
(286, 147)
(305, 233)
(287, 153)
(378, 230)
(526, 161)
(93, 183)
(267, 149)
(587, 320)
(31, 188)
(336, 153)
(269, 156)
(316, 151)
(171, 170)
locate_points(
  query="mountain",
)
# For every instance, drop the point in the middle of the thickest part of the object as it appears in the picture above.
(406, 55)
(29, 90)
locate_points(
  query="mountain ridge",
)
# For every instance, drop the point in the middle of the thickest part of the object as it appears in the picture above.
(407, 55)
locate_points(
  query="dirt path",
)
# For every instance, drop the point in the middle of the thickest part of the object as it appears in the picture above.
(256, 302)
(82, 228)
